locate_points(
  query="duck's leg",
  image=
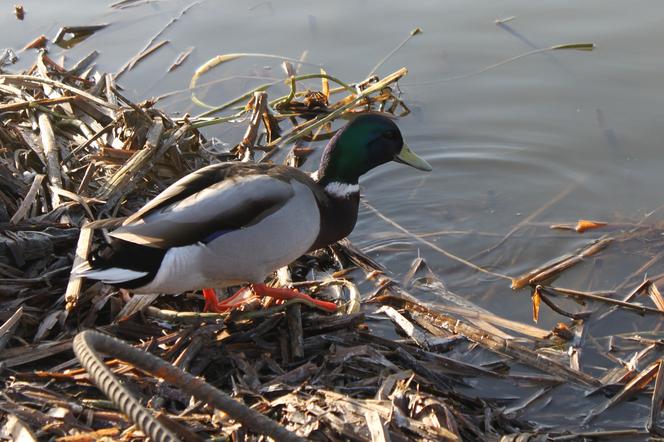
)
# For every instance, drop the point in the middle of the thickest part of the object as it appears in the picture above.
(245, 294)
(213, 305)
(279, 293)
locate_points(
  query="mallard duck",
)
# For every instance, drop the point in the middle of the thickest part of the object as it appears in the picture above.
(234, 223)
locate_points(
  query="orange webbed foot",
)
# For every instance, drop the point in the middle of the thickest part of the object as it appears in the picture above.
(244, 295)
(213, 305)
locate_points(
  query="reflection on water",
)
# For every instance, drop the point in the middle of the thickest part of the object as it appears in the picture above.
(566, 135)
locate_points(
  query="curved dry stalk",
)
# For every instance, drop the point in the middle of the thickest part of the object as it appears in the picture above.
(432, 245)
(219, 59)
(576, 46)
(412, 34)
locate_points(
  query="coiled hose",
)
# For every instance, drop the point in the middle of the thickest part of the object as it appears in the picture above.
(88, 343)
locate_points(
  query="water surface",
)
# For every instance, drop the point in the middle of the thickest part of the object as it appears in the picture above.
(503, 143)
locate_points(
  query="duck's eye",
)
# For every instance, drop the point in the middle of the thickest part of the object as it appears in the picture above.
(391, 135)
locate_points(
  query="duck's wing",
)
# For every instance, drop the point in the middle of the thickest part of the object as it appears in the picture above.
(208, 203)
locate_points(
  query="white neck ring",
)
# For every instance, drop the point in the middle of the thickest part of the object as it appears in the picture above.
(342, 190)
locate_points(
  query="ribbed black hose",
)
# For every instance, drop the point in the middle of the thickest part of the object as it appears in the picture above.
(88, 343)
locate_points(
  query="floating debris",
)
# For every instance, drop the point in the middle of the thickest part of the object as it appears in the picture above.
(37, 43)
(182, 57)
(69, 36)
(503, 20)
(7, 57)
(581, 226)
(19, 12)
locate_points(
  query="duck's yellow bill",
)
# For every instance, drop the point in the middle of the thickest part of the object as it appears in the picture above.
(409, 157)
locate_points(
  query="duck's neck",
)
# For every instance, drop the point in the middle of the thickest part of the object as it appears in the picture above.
(338, 213)
(335, 186)
(340, 168)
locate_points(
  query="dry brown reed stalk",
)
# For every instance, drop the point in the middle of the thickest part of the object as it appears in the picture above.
(560, 264)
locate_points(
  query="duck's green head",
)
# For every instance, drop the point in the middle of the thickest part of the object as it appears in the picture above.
(366, 142)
